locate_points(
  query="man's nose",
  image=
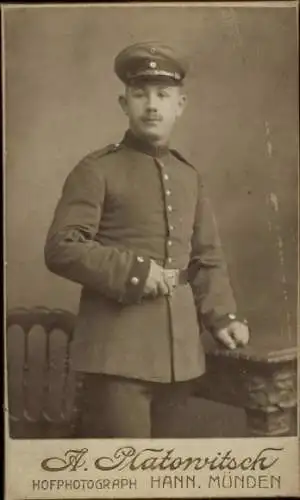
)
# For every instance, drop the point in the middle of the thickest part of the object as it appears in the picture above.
(152, 102)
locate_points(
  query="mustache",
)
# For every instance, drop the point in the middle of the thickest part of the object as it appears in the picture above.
(151, 116)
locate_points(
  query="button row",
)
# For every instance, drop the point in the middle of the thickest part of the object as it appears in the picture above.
(169, 209)
(168, 191)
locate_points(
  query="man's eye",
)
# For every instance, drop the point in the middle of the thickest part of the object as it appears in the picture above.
(162, 94)
(138, 93)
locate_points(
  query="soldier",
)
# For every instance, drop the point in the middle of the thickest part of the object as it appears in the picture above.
(134, 227)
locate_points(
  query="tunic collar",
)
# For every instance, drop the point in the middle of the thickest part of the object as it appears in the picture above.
(134, 142)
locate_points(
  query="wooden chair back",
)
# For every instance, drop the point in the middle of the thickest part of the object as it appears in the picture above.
(41, 386)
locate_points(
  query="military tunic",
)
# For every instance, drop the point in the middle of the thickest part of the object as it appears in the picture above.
(120, 207)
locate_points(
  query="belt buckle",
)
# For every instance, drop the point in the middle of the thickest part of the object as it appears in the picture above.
(173, 276)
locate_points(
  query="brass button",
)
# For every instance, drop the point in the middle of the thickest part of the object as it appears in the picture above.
(169, 243)
(170, 260)
(231, 316)
(168, 192)
(166, 177)
(135, 280)
(170, 208)
(140, 259)
(171, 228)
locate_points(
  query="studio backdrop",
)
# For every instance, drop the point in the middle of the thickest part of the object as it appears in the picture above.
(239, 128)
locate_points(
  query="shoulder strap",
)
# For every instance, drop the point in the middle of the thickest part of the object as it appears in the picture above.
(99, 153)
(110, 148)
(180, 157)
(113, 148)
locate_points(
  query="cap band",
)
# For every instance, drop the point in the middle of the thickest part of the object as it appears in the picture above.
(153, 72)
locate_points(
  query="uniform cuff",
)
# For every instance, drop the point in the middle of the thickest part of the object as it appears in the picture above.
(215, 323)
(224, 321)
(136, 280)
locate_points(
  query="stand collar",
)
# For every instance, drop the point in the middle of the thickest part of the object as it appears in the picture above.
(134, 142)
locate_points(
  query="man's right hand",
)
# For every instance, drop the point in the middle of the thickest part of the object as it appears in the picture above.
(156, 284)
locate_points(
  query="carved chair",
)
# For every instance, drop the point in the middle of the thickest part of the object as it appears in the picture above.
(259, 379)
(42, 389)
(41, 386)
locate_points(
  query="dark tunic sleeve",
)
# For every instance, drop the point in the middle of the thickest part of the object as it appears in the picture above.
(208, 270)
(71, 250)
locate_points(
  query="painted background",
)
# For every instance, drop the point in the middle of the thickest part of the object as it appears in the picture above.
(240, 128)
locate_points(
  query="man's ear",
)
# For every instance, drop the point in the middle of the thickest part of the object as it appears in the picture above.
(123, 103)
(182, 102)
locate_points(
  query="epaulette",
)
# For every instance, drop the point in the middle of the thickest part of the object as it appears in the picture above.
(113, 148)
(180, 157)
(98, 154)
(110, 148)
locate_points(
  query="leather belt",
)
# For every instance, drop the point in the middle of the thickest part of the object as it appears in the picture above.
(176, 276)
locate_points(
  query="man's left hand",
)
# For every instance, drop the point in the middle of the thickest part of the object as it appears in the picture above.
(236, 334)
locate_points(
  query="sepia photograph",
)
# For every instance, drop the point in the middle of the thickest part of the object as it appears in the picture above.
(151, 224)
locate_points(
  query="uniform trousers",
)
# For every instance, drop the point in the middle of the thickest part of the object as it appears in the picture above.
(113, 406)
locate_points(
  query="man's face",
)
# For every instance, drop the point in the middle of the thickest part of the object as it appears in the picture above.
(152, 109)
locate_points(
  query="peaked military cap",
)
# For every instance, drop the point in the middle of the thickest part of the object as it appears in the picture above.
(150, 61)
